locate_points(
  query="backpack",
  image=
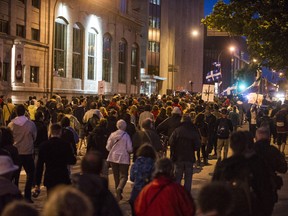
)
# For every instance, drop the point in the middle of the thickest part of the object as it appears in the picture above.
(223, 129)
(281, 119)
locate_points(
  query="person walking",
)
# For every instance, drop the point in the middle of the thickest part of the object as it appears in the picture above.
(223, 129)
(56, 154)
(8, 108)
(24, 135)
(119, 146)
(183, 143)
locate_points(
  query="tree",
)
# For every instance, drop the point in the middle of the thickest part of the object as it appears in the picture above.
(264, 23)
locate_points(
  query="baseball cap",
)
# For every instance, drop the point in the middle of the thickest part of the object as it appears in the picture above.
(6, 165)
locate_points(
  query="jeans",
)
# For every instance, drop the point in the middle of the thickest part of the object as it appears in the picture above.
(27, 162)
(120, 174)
(184, 168)
(220, 144)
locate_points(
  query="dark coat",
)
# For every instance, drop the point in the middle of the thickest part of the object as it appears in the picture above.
(56, 154)
(97, 140)
(96, 188)
(183, 142)
(168, 125)
(42, 133)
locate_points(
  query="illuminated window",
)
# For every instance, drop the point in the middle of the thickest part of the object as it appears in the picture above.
(60, 47)
(106, 58)
(154, 22)
(36, 3)
(156, 2)
(77, 52)
(35, 34)
(122, 61)
(34, 74)
(154, 46)
(20, 30)
(91, 54)
(134, 63)
(4, 26)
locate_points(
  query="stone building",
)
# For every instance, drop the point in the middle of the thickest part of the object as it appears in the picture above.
(68, 47)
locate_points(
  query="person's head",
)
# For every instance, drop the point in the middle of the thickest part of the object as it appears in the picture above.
(224, 113)
(147, 107)
(65, 122)
(146, 150)
(103, 122)
(67, 201)
(164, 167)
(215, 199)
(6, 136)
(176, 111)
(93, 105)
(20, 110)
(92, 162)
(239, 142)
(55, 130)
(9, 100)
(147, 124)
(7, 167)
(19, 208)
(186, 118)
(121, 124)
(68, 110)
(262, 133)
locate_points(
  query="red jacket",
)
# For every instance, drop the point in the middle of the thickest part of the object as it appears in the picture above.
(172, 200)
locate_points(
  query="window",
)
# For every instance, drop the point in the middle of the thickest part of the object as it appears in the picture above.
(123, 6)
(4, 26)
(20, 30)
(91, 54)
(34, 74)
(122, 61)
(106, 58)
(154, 22)
(156, 2)
(60, 47)
(35, 34)
(77, 52)
(5, 71)
(134, 64)
(154, 46)
(36, 3)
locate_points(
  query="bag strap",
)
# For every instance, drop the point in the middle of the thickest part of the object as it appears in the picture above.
(8, 109)
(148, 136)
(119, 139)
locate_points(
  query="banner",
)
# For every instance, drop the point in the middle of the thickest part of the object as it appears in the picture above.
(101, 87)
(208, 93)
(19, 51)
(1, 59)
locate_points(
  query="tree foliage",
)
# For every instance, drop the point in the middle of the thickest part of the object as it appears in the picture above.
(264, 23)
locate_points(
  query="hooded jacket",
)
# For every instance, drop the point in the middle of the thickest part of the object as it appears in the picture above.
(24, 134)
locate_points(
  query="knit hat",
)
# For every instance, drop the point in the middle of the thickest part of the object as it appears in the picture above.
(176, 110)
(6, 165)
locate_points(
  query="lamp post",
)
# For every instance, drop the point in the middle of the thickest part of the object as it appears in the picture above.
(191, 85)
(231, 49)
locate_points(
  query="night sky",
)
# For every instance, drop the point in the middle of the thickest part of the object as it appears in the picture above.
(208, 6)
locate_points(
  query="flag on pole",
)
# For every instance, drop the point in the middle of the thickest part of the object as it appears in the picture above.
(213, 76)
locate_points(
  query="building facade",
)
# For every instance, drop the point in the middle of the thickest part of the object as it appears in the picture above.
(69, 47)
(171, 56)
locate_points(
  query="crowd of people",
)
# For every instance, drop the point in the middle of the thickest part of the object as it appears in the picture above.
(155, 141)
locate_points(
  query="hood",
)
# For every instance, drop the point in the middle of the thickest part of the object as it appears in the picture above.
(20, 120)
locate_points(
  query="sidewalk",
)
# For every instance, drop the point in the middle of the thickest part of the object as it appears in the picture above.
(200, 178)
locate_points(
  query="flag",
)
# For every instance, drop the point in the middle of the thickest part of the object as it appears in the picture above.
(213, 76)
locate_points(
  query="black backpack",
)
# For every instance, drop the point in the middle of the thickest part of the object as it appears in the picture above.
(91, 123)
(223, 129)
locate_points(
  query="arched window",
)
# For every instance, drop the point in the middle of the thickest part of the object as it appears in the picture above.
(92, 38)
(77, 51)
(60, 46)
(122, 61)
(106, 71)
(134, 64)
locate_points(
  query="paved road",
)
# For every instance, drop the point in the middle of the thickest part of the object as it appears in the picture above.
(200, 177)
